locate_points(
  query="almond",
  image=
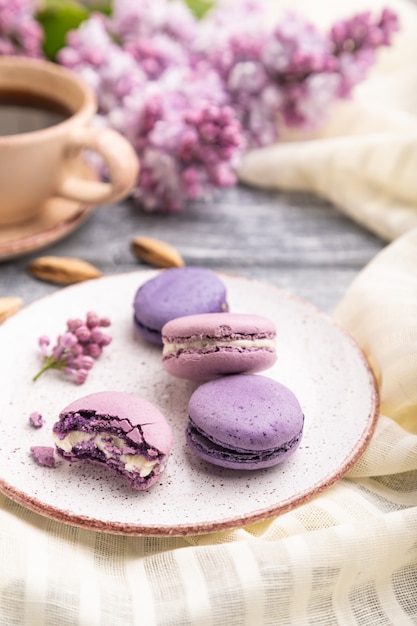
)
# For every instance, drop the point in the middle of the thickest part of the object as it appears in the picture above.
(156, 252)
(9, 306)
(62, 270)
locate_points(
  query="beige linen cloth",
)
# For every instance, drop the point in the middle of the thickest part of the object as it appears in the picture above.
(347, 557)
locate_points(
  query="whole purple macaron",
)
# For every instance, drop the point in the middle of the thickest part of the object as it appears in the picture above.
(176, 292)
(122, 431)
(245, 422)
(206, 346)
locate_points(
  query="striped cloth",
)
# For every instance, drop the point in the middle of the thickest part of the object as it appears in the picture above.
(347, 557)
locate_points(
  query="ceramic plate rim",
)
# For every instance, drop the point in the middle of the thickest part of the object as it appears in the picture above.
(234, 521)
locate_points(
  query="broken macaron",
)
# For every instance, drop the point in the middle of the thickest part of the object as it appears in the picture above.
(119, 430)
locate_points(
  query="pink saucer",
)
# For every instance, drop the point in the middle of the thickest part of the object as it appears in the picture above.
(58, 218)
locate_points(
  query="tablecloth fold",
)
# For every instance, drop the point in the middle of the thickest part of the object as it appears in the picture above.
(380, 309)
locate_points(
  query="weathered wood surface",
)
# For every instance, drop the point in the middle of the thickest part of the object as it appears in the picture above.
(295, 241)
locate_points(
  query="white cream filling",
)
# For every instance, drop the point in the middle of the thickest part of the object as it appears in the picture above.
(200, 344)
(132, 462)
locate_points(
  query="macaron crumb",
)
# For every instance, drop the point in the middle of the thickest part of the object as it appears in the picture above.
(36, 419)
(44, 455)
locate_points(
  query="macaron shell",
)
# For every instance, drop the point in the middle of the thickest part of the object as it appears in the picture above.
(204, 450)
(152, 336)
(221, 362)
(246, 414)
(176, 292)
(136, 410)
(217, 325)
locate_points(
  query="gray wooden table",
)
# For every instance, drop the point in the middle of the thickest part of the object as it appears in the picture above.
(295, 241)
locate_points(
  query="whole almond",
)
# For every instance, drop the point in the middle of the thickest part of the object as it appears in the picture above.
(9, 306)
(62, 270)
(156, 252)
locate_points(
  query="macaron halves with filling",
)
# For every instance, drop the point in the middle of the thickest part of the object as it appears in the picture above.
(202, 347)
(244, 422)
(122, 431)
(173, 293)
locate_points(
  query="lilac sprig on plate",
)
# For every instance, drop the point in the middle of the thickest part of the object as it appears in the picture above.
(192, 95)
(76, 350)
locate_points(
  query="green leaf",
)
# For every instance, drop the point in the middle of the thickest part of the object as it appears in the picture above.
(199, 7)
(101, 6)
(57, 18)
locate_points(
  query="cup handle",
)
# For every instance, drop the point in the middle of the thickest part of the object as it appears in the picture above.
(121, 161)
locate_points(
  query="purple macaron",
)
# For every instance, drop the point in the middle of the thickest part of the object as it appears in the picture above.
(176, 292)
(246, 421)
(122, 431)
(206, 346)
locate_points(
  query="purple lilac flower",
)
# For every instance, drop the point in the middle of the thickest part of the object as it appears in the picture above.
(77, 348)
(105, 67)
(190, 108)
(188, 155)
(156, 115)
(298, 62)
(133, 20)
(20, 33)
(289, 73)
(155, 54)
(354, 44)
(188, 139)
(239, 32)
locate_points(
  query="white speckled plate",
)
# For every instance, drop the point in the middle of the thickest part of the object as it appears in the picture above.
(317, 360)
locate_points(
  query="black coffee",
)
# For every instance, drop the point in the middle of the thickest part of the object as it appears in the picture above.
(24, 112)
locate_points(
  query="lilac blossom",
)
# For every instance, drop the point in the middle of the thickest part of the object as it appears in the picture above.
(133, 20)
(191, 108)
(105, 67)
(186, 136)
(20, 33)
(299, 64)
(289, 73)
(76, 349)
(354, 44)
(187, 153)
(154, 55)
